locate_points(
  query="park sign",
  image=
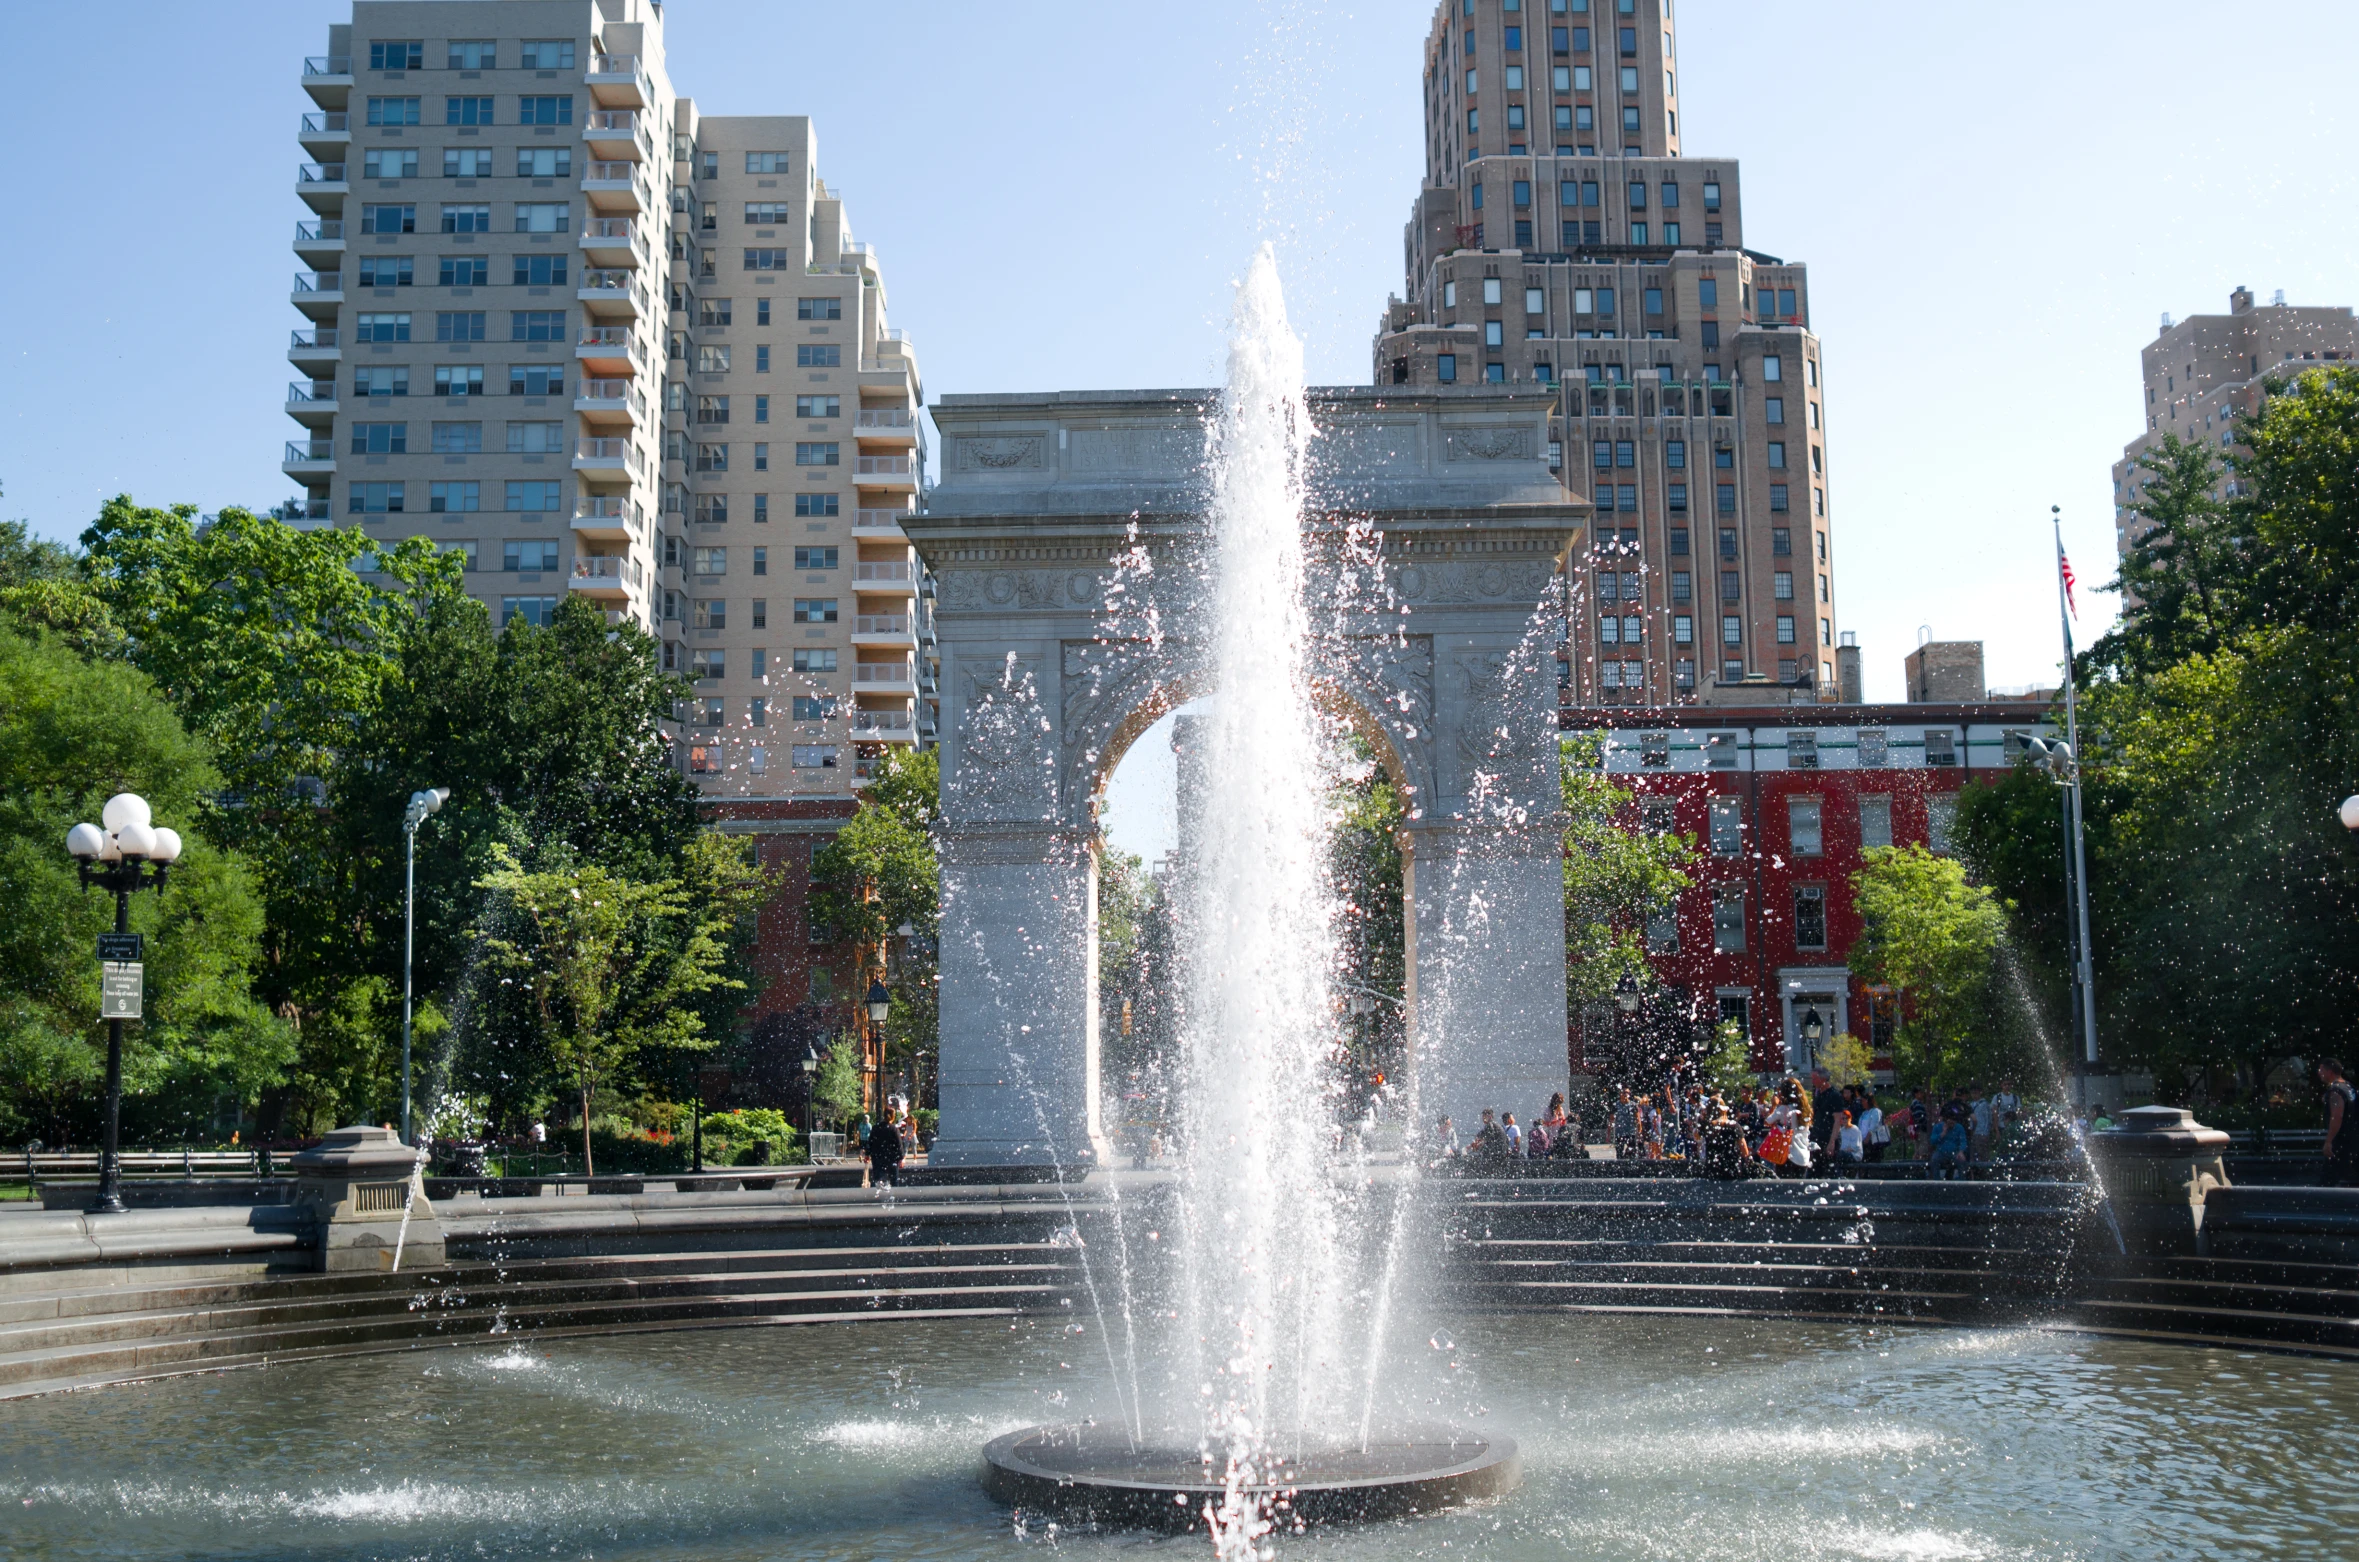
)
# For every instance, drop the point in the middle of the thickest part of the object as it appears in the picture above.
(119, 989)
(121, 946)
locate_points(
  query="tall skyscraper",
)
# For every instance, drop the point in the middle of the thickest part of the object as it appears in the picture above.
(2202, 372)
(1563, 235)
(602, 345)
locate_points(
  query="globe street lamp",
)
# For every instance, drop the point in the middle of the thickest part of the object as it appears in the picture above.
(1814, 1027)
(2349, 813)
(127, 840)
(810, 1069)
(880, 1004)
(421, 804)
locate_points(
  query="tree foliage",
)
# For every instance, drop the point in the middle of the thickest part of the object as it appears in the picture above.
(1615, 877)
(1934, 938)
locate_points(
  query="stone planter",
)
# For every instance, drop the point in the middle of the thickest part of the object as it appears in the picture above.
(2157, 1164)
(358, 1184)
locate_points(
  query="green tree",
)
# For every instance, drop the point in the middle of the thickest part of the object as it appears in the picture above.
(608, 967)
(1935, 938)
(1616, 877)
(2187, 571)
(72, 733)
(835, 1086)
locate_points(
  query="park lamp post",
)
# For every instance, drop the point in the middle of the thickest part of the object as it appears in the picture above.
(2349, 813)
(810, 1083)
(2059, 761)
(122, 848)
(880, 1004)
(1814, 1029)
(420, 806)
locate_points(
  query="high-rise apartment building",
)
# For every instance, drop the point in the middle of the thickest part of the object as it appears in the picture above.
(1564, 235)
(2202, 372)
(606, 346)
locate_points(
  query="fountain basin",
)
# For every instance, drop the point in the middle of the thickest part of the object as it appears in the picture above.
(1090, 1474)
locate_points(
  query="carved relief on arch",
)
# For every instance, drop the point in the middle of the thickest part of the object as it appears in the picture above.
(1005, 770)
(1386, 679)
(1505, 749)
(1110, 692)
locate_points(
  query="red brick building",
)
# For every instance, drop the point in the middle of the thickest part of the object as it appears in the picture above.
(1781, 802)
(804, 994)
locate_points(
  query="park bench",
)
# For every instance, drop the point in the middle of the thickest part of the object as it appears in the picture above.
(49, 1165)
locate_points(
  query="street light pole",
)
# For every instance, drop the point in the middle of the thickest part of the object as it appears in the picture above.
(421, 804)
(127, 839)
(2071, 774)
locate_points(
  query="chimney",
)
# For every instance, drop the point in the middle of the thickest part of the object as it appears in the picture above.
(1847, 674)
(2240, 302)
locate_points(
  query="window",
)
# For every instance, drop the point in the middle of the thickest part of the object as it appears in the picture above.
(393, 111)
(713, 359)
(1802, 826)
(1679, 539)
(712, 509)
(454, 498)
(1941, 748)
(537, 611)
(712, 409)
(380, 439)
(761, 409)
(374, 499)
(467, 111)
(385, 270)
(472, 54)
(1773, 368)
(1662, 930)
(397, 54)
(1515, 40)
(815, 558)
(536, 379)
(1875, 822)
(1778, 504)
(761, 456)
(815, 504)
(815, 756)
(537, 497)
(814, 661)
(768, 214)
(536, 439)
(1720, 751)
(765, 162)
(1654, 753)
(712, 458)
(1732, 630)
(1781, 541)
(712, 662)
(1445, 368)
(458, 326)
(547, 54)
(819, 406)
(815, 610)
(1728, 919)
(383, 328)
(1782, 585)
(1773, 409)
(466, 219)
(542, 217)
(1802, 751)
(458, 439)
(761, 657)
(1777, 455)
(389, 163)
(1941, 819)
(529, 556)
(535, 325)
(761, 561)
(819, 453)
(819, 355)
(544, 162)
(1492, 334)
(1810, 916)
(819, 309)
(762, 359)
(539, 271)
(810, 707)
(1731, 586)
(393, 380)
(1874, 750)
(1785, 629)
(1725, 498)
(710, 613)
(464, 271)
(761, 509)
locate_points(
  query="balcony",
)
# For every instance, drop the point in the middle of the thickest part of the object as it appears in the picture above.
(886, 472)
(328, 78)
(894, 630)
(613, 241)
(320, 241)
(613, 518)
(617, 135)
(613, 577)
(310, 458)
(618, 81)
(880, 579)
(880, 525)
(319, 345)
(608, 351)
(318, 293)
(323, 187)
(609, 401)
(312, 402)
(325, 135)
(298, 511)
(889, 427)
(881, 726)
(616, 187)
(603, 457)
(613, 295)
(891, 676)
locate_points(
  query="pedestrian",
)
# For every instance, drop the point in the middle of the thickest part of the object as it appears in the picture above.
(1446, 1134)
(1873, 1134)
(1982, 1120)
(1553, 1126)
(1849, 1144)
(2007, 1100)
(1515, 1137)
(884, 1154)
(2342, 1136)
(1488, 1147)
(1823, 1102)
(1952, 1150)
(1625, 1127)
(1920, 1111)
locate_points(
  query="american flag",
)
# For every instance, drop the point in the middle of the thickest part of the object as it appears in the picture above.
(2064, 562)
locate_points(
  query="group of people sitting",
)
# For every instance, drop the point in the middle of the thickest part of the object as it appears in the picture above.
(1788, 1129)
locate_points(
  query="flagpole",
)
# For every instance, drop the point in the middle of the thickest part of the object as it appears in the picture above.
(2080, 859)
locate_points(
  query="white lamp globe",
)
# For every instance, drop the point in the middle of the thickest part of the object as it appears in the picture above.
(125, 808)
(167, 846)
(110, 849)
(136, 840)
(86, 841)
(2350, 813)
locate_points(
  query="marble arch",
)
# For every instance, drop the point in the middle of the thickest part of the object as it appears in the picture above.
(1064, 542)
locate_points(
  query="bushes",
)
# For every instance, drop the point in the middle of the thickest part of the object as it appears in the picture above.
(751, 1136)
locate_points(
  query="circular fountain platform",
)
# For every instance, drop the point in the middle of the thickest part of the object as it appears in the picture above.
(1092, 1474)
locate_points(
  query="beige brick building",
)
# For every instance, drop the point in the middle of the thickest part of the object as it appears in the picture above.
(1563, 235)
(2202, 372)
(606, 346)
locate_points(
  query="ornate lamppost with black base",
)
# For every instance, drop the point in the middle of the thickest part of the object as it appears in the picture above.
(118, 856)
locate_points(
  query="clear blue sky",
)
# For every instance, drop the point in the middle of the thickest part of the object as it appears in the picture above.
(1997, 203)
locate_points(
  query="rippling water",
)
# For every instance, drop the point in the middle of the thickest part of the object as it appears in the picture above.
(1691, 1440)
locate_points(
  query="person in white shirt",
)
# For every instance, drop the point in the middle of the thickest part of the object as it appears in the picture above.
(1873, 1131)
(1846, 1141)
